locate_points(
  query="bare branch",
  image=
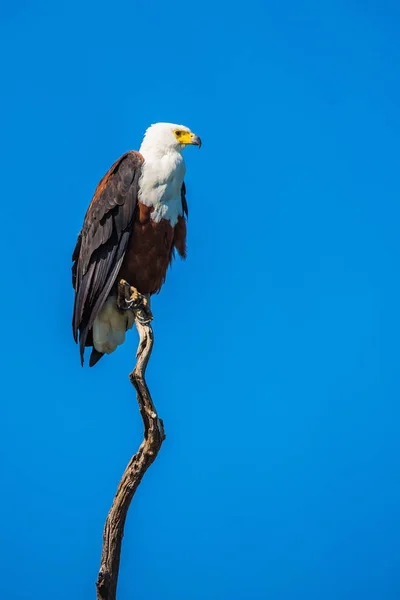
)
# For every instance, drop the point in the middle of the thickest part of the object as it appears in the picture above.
(154, 436)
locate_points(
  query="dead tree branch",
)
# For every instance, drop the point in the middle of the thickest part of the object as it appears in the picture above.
(129, 299)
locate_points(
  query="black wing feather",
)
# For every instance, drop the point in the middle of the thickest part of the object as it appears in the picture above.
(102, 242)
(184, 201)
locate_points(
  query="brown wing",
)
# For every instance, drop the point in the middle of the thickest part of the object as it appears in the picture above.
(102, 242)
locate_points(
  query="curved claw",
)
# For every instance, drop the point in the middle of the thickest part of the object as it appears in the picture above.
(130, 299)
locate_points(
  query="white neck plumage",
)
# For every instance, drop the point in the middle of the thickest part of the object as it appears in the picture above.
(161, 181)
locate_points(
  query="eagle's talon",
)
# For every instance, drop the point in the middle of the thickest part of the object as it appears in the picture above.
(129, 298)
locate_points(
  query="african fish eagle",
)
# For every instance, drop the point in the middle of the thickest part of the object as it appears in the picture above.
(134, 223)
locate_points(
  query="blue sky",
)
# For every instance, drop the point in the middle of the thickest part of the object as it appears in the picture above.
(276, 364)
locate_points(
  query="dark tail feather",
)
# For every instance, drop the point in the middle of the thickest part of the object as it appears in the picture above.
(95, 357)
(85, 340)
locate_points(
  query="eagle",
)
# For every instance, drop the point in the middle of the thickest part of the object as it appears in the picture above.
(135, 222)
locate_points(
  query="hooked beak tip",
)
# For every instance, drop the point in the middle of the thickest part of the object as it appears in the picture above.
(196, 141)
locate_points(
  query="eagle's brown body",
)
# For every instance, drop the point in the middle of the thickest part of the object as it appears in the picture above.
(150, 250)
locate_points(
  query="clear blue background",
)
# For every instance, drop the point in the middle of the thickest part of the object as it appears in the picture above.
(276, 365)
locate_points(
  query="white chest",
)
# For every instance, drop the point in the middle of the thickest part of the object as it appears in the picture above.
(160, 186)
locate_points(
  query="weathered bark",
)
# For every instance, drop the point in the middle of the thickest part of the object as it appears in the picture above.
(153, 438)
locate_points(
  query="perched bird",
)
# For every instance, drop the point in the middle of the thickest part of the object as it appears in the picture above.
(134, 223)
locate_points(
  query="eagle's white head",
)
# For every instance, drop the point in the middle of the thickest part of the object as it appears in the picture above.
(166, 137)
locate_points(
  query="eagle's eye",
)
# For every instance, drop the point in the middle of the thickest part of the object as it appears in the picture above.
(178, 133)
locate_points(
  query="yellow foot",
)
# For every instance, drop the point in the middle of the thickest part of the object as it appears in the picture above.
(129, 298)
